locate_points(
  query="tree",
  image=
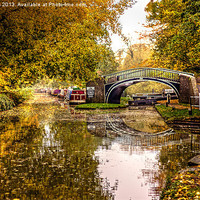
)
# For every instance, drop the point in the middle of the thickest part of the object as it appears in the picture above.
(55, 39)
(175, 32)
(136, 55)
(108, 64)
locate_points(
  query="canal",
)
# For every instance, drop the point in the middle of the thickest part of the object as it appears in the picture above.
(51, 151)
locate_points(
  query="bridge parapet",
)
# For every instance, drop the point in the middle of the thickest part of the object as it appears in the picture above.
(160, 73)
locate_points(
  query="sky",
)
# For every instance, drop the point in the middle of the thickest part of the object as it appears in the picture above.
(131, 21)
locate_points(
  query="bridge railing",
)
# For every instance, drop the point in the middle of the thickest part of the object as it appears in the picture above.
(150, 74)
(160, 73)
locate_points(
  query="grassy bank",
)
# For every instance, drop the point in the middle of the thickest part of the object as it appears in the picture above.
(93, 106)
(99, 106)
(172, 113)
(10, 99)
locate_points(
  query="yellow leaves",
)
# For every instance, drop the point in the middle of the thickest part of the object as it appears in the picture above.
(176, 34)
(4, 77)
(2, 149)
(184, 186)
(50, 38)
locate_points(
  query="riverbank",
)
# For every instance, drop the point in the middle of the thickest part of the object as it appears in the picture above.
(11, 99)
(94, 106)
(180, 117)
(177, 111)
(186, 183)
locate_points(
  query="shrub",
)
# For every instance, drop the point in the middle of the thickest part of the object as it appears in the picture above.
(12, 98)
(18, 96)
(25, 93)
(5, 102)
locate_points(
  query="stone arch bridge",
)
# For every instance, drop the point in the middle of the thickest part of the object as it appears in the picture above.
(109, 88)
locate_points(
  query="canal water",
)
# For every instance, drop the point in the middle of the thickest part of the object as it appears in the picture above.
(51, 151)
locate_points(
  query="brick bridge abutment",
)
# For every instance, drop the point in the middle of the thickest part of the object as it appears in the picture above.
(188, 88)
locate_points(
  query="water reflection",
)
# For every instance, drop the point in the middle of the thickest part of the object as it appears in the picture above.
(140, 164)
(57, 163)
(133, 171)
(137, 122)
(48, 152)
(147, 120)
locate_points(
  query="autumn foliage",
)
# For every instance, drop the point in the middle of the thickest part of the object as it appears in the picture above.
(176, 28)
(59, 40)
(185, 185)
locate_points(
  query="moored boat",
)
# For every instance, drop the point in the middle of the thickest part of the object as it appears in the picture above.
(77, 97)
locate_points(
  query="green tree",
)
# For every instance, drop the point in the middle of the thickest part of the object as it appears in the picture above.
(175, 32)
(108, 64)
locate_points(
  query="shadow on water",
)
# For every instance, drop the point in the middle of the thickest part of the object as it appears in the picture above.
(49, 152)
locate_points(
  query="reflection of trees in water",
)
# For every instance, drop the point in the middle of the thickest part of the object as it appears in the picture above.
(172, 154)
(56, 160)
(16, 129)
(145, 121)
(175, 157)
(60, 167)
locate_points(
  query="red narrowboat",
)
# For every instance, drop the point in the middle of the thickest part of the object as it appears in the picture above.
(77, 97)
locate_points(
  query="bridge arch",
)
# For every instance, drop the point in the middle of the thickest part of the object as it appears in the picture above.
(114, 91)
(109, 88)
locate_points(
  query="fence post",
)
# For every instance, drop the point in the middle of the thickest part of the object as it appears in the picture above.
(199, 101)
(190, 108)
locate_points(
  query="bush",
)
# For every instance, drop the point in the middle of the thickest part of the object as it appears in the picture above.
(25, 93)
(18, 96)
(12, 98)
(6, 103)
(124, 100)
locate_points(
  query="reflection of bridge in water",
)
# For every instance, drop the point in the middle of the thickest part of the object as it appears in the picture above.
(154, 155)
(118, 125)
(112, 127)
(162, 140)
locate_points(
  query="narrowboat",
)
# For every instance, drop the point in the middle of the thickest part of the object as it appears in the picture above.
(77, 96)
(55, 92)
(62, 94)
(74, 96)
